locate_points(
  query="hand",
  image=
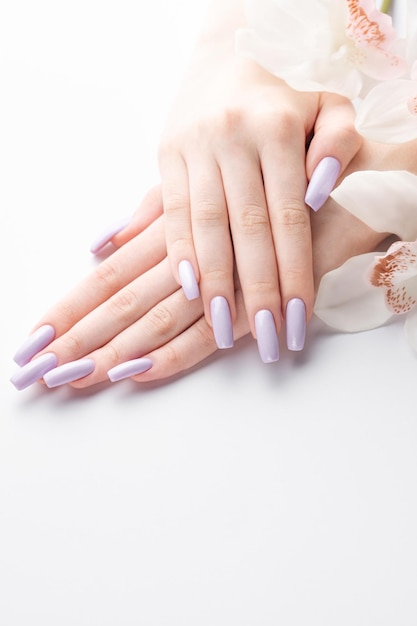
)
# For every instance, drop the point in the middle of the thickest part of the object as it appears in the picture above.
(234, 173)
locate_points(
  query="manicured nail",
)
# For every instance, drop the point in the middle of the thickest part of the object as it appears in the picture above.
(296, 324)
(188, 280)
(322, 182)
(103, 239)
(68, 372)
(129, 368)
(222, 322)
(36, 342)
(34, 371)
(266, 336)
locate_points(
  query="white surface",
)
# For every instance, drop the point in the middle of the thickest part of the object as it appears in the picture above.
(239, 494)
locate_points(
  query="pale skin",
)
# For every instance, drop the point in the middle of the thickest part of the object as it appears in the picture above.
(234, 171)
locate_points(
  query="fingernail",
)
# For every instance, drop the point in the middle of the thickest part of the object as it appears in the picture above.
(34, 371)
(103, 239)
(129, 368)
(296, 324)
(68, 372)
(222, 322)
(322, 182)
(36, 342)
(188, 280)
(266, 336)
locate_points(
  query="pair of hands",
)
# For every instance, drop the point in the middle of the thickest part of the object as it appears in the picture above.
(131, 306)
(232, 203)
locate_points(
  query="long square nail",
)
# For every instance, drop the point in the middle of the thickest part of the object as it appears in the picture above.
(266, 336)
(68, 372)
(34, 371)
(36, 342)
(222, 322)
(322, 182)
(296, 324)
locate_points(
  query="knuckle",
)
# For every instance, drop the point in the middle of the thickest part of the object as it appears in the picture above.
(67, 314)
(253, 219)
(72, 344)
(111, 355)
(293, 216)
(107, 277)
(161, 321)
(173, 361)
(124, 304)
(232, 119)
(282, 125)
(174, 202)
(208, 213)
(215, 275)
(260, 287)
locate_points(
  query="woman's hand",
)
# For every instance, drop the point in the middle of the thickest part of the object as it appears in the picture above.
(234, 173)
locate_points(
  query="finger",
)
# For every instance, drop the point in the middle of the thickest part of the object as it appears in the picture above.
(178, 228)
(335, 142)
(252, 236)
(191, 347)
(116, 314)
(111, 275)
(163, 322)
(283, 167)
(186, 349)
(212, 240)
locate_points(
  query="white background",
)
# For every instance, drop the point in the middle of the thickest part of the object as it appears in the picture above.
(240, 494)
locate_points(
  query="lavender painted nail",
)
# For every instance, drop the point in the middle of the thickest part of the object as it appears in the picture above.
(222, 322)
(36, 342)
(68, 372)
(296, 324)
(266, 336)
(188, 280)
(34, 371)
(129, 368)
(104, 238)
(322, 182)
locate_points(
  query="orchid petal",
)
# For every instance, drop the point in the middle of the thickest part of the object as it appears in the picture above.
(386, 201)
(410, 328)
(368, 27)
(396, 273)
(385, 113)
(347, 301)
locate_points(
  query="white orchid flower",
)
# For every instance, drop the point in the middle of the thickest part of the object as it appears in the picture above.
(342, 46)
(369, 289)
(388, 112)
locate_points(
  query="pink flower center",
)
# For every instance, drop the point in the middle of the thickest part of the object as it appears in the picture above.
(363, 30)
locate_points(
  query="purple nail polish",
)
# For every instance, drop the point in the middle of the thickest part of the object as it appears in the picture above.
(68, 372)
(36, 342)
(103, 239)
(266, 336)
(296, 324)
(34, 371)
(129, 368)
(188, 280)
(322, 182)
(222, 322)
